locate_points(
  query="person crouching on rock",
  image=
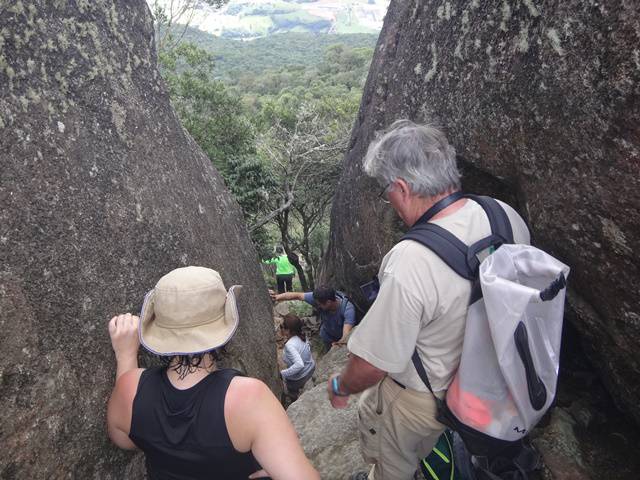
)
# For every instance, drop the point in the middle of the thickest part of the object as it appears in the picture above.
(296, 356)
(192, 420)
(337, 312)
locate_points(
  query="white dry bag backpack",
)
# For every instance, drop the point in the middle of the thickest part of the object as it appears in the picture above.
(510, 357)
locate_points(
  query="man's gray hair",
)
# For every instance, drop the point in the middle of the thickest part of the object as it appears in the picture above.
(419, 154)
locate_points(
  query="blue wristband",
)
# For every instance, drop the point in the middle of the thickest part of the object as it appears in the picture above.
(335, 387)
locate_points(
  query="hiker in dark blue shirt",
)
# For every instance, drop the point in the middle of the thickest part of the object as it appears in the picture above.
(337, 313)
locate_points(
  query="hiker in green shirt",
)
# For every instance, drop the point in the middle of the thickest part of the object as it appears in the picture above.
(284, 270)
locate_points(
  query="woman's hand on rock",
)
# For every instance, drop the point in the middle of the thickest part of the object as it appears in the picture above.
(123, 330)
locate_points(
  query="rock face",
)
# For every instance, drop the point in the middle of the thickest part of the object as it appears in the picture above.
(102, 193)
(329, 436)
(542, 103)
(561, 449)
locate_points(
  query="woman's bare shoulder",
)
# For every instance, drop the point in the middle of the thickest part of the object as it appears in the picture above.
(127, 383)
(245, 390)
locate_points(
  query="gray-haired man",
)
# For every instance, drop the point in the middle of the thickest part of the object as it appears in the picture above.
(422, 304)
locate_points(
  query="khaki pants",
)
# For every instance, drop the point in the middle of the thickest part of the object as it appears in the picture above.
(397, 429)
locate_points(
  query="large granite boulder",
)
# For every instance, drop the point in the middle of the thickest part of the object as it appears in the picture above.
(542, 103)
(102, 192)
(329, 436)
(560, 448)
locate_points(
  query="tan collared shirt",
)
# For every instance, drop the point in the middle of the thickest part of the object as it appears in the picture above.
(423, 303)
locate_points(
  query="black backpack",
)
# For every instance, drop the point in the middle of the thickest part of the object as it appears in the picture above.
(345, 301)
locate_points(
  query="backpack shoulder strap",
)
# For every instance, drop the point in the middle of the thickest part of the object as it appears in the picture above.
(498, 218)
(422, 373)
(443, 243)
(457, 255)
(344, 302)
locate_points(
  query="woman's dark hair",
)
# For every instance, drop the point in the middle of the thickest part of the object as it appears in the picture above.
(183, 365)
(293, 323)
(279, 249)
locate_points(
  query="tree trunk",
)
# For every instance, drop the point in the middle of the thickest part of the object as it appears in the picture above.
(294, 259)
(306, 253)
(283, 223)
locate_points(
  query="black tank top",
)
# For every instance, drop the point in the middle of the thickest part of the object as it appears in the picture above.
(183, 433)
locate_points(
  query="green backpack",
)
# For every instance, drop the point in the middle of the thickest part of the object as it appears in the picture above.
(440, 463)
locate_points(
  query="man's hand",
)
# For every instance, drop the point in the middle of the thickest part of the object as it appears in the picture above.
(336, 401)
(346, 330)
(123, 330)
(273, 295)
(357, 376)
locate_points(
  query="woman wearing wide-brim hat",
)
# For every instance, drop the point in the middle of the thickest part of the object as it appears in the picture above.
(192, 420)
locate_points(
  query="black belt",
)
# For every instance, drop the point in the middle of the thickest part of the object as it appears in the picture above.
(398, 383)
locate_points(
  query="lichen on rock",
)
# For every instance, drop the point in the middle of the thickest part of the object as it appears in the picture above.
(102, 193)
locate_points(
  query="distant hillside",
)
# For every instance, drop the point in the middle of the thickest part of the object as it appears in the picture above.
(235, 58)
(246, 19)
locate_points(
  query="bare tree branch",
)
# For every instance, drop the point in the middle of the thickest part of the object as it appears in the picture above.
(285, 206)
(306, 159)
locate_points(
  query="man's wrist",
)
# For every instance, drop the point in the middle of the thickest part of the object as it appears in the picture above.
(335, 387)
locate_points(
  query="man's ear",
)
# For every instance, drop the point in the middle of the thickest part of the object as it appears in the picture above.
(402, 186)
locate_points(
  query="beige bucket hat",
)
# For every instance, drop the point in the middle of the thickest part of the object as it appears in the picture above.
(188, 312)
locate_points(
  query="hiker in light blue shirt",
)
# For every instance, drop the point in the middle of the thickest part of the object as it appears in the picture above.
(337, 313)
(296, 356)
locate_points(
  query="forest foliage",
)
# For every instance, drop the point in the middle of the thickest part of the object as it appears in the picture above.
(274, 116)
(236, 59)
